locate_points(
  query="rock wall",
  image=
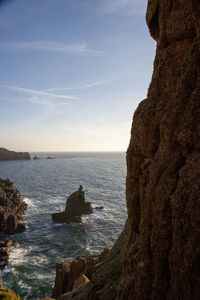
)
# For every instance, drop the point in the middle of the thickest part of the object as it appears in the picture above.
(12, 208)
(163, 160)
(162, 257)
(12, 155)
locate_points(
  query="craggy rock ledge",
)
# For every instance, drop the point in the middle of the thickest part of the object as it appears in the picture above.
(12, 209)
(161, 258)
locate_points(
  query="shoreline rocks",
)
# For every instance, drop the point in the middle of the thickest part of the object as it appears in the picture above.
(12, 155)
(12, 209)
(91, 276)
(74, 209)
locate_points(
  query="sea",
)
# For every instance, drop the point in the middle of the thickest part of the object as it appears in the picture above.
(45, 185)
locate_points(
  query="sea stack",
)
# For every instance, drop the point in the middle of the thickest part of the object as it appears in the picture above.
(162, 255)
(74, 209)
(12, 155)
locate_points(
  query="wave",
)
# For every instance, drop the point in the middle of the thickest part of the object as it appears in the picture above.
(29, 202)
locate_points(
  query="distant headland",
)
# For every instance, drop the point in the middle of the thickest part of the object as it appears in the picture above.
(12, 155)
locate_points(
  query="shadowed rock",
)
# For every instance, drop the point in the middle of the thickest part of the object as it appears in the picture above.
(74, 209)
(12, 208)
(12, 155)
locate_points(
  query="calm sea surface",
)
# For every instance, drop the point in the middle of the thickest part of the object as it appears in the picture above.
(45, 185)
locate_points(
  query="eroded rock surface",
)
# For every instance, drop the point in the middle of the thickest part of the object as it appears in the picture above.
(12, 209)
(162, 256)
(103, 272)
(75, 207)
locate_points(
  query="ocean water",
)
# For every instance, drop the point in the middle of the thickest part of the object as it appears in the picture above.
(45, 185)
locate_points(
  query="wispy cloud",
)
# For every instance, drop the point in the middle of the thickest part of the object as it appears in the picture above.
(79, 48)
(128, 7)
(41, 97)
(81, 87)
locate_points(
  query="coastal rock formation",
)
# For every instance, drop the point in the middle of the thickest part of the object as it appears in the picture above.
(102, 271)
(12, 155)
(74, 209)
(12, 208)
(5, 249)
(162, 255)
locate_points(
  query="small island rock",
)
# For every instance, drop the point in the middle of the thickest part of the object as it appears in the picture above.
(74, 209)
(36, 157)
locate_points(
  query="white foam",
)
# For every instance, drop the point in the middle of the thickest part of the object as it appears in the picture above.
(29, 202)
(17, 256)
(58, 224)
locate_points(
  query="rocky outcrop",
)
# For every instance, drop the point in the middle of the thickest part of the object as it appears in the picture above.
(5, 249)
(161, 258)
(102, 271)
(12, 155)
(12, 209)
(74, 209)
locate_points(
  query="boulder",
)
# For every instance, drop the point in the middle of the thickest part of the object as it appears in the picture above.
(81, 281)
(74, 209)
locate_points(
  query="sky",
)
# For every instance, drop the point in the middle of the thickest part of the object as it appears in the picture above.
(72, 73)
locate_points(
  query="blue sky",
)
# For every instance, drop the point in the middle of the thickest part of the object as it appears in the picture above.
(72, 73)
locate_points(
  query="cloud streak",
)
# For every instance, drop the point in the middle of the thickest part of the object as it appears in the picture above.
(42, 97)
(82, 87)
(50, 96)
(79, 48)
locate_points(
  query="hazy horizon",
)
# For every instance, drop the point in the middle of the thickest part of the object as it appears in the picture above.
(72, 73)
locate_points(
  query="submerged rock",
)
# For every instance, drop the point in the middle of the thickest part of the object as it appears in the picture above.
(74, 209)
(12, 155)
(99, 207)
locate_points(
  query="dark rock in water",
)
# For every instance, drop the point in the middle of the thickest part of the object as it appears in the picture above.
(74, 209)
(36, 157)
(12, 155)
(99, 207)
(50, 157)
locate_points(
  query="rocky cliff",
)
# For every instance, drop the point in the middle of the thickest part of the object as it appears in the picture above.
(161, 259)
(12, 208)
(12, 155)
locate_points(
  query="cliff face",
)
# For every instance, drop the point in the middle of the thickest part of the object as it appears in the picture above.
(163, 188)
(162, 257)
(12, 208)
(12, 155)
